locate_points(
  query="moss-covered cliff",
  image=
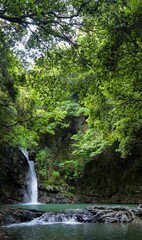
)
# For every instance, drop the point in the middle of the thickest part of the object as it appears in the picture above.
(110, 178)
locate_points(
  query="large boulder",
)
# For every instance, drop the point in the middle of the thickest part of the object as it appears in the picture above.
(103, 214)
(10, 216)
(138, 211)
(110, 215)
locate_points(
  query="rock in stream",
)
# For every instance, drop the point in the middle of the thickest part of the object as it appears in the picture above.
(88, 215)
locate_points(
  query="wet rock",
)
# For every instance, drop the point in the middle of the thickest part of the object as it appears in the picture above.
(56, 218)
(109, 215)
(9, 219)
(138, 211)
(80, 215)
(89, 215)
(10, 216)
(103, 214)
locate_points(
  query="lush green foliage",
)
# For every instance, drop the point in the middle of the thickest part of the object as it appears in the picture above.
(46, 23)
(96, 81)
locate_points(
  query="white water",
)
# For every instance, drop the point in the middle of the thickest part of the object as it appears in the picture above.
(38, 221)
(47, 219)
(31, 195)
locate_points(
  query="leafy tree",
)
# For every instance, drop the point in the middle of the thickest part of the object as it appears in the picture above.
(48, 22)
(9, 73)
(97, 77)
(113, 100)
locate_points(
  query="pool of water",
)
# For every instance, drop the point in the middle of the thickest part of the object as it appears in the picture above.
(61, 207)
(74, 231)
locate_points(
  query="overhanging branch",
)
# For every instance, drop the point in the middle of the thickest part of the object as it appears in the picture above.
(74, 15)
(21, 19)
(19, 122)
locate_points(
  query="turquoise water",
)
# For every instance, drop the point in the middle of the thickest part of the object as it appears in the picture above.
(72, 230)
(85, 231)
(61, 207)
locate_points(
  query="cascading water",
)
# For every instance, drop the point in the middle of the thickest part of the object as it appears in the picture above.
(31, 194)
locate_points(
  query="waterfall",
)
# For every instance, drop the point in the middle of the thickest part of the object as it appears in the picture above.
(31, 194)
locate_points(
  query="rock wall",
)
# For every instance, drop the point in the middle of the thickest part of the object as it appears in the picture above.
(111, 179)
(12, 175)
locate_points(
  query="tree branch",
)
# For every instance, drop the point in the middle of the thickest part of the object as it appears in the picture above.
(74, 15)
(19, 122)
(18, 20)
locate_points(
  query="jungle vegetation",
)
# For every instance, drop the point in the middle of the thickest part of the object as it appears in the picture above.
(75, 67)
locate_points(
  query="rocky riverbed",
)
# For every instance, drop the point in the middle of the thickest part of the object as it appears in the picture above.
(90, 215)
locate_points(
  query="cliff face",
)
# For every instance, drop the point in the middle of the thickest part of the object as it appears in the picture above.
(110, 178)
(12, 175)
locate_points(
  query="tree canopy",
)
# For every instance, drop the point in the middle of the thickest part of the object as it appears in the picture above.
(96, 77)
(47, 22)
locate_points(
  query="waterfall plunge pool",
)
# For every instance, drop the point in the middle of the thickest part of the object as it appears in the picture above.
(61, 207)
